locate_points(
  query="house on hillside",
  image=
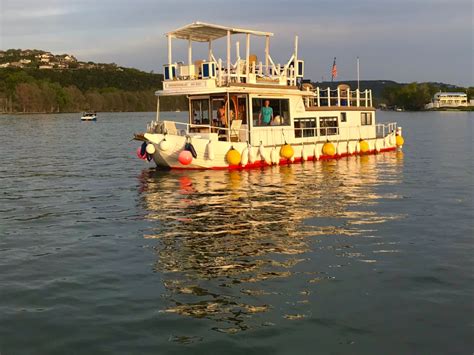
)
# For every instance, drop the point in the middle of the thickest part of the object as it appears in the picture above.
(16, 65)
(25, 61)
(69, 58)
(4, 65)
(46, 66)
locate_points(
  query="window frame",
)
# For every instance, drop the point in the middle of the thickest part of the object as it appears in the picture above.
(200, 120)
(302, 132)
(281, 111)
(366, 117)
(323, 130)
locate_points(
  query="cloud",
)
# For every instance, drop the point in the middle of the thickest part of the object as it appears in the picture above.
(404, 40)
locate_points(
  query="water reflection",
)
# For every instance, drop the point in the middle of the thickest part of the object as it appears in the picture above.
(229, 244)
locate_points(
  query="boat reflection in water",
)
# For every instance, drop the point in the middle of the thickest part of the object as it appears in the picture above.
(248, 248)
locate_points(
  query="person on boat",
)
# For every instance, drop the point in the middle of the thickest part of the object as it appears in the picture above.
(242, 115)
(266, 114)
(221, 116)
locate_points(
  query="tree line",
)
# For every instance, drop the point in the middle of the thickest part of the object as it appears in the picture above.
(46, 91)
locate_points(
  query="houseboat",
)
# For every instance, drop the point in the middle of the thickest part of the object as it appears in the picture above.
(245, 113)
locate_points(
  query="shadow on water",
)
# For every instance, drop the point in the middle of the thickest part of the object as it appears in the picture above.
(245, 249)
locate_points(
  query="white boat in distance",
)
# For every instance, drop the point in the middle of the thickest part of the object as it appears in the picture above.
(89, 116)
(245, 113)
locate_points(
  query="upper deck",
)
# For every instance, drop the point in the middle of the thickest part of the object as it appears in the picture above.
(212, 72)
(247, 74)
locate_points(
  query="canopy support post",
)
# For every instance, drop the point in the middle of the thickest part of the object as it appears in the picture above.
(157, 109)
(247, 57)
(267, 53)
(228, 56)
(190, 51)
(170, 59)
(295, 66)
(210, 51)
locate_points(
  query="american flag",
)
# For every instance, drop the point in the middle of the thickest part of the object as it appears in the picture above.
(334, 70)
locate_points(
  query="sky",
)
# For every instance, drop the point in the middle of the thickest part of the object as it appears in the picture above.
(401, 40)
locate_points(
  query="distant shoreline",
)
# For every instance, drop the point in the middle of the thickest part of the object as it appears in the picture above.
(70, 112)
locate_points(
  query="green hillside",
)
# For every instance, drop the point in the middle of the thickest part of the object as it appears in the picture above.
(39, 81)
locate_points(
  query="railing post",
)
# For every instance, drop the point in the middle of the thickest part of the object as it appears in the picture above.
(370, 95)
(366, 97)
(329, 96)
(220, 72)
(357, 97)
(318, 97)
(338, 96)
(349, 97)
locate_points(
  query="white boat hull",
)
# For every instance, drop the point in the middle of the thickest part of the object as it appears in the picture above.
(89, 118)
(312, 151)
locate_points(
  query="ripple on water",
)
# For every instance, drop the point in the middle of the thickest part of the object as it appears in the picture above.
(228, 243)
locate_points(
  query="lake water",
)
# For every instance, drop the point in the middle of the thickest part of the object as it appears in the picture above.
(102, 254)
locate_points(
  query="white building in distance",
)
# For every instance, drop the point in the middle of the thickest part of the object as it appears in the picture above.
(448, 99)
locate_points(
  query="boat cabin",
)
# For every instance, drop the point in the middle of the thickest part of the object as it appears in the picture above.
(244, 99)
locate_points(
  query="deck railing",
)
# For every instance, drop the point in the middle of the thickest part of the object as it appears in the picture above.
(339, 97)
(237, 72)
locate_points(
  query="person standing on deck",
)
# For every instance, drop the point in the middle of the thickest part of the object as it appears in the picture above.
(266, 114)
(221, 116)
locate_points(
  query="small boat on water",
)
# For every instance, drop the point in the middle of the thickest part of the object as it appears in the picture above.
(89, 116)
(245, 113)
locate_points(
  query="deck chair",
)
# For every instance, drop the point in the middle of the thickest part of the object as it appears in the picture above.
(234, 130)
(170, 128)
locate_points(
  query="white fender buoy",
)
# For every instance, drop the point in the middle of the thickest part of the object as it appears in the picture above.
(251, 154)
(245, 156)
(317, 153)
(304, 153)
(210, 151)
(150, 149)
(292, 159)
(261, 151)
(274, 156)
(164, 145)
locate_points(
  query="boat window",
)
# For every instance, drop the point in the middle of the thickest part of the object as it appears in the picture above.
(200, 111)
(366, 118)
(242, 109)
(328, 126)
(305, 127)
(218, 117)
(270, 112)
(343, 117)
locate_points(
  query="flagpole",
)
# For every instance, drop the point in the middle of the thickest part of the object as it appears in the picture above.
(333, 70)
(358, 74)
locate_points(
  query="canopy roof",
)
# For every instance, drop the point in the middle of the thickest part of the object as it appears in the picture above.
(204, 32)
